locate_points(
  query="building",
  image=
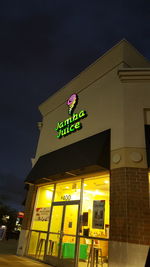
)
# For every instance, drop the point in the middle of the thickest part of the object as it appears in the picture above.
(88, 200)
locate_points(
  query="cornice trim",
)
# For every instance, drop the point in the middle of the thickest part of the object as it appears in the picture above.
(134, 74)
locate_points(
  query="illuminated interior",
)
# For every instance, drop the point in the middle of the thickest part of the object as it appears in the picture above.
(92, 222)
(95, 189)
(68, 191)
(42, 208)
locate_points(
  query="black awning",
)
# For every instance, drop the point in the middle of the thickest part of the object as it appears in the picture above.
(147, 140)
(92, 151)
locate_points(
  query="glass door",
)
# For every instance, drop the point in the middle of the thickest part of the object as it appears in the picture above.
(62, 239)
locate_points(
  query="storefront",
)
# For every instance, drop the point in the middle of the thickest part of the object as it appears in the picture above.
(76, 213)
(70, 223)
(88, 197)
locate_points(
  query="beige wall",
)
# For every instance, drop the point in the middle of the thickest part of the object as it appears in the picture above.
(103, 101)
(136, 99)
(117, 98)
(113, 97)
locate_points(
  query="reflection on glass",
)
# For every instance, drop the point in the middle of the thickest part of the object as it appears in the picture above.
(56, 220)
(70, 221)
(37, 245)
(95, 209)
(68, 191)
(42, 208)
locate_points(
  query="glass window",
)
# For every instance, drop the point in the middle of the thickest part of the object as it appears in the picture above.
(70, 220)
(68, 249)
(95, 209)
(56, 220)
(42, 208)
(68, 191)
(37, 245)
(53, 245)
(95, 247)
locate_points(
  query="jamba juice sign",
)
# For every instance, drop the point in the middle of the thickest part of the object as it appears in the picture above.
(73, 123)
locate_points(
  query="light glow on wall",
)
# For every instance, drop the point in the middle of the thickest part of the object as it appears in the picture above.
(48, 194)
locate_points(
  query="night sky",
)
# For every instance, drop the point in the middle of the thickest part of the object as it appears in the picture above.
(43, 45)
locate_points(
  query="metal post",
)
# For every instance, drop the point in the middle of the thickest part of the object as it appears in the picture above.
(50, 216)
(92, 254)
(78, 226)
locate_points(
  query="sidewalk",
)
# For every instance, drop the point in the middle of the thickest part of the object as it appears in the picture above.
(8, 247)
(9, 259)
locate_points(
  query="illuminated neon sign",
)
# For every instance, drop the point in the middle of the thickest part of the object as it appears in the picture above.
(72, 102)
(71, 124)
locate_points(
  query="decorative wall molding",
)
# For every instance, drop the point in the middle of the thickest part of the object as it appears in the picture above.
(129, 157)
(134, 74)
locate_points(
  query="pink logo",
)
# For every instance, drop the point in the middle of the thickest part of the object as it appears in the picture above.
(72, 102)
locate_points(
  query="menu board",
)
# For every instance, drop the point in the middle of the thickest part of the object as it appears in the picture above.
(42, 214)
(98, 214)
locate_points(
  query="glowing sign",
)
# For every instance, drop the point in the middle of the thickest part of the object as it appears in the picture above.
(72, 124)
(72, 102)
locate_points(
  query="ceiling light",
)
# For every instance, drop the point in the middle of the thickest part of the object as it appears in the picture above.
(48, 194)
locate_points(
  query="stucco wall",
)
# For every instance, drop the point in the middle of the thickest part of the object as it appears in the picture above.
(103, 101)
(136, 99)
(112, 99)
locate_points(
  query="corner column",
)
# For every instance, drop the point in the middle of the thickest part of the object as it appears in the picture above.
(129, 209)
(29, 207)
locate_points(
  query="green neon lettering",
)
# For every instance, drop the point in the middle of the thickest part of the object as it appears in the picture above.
(82, 114)
(66, 127)
(64, 132)
(59, 134)
(67, 130)
(78, 125)
(61, 124)
(75, 117)
(58, 127)
(68, 121)
(72, 129)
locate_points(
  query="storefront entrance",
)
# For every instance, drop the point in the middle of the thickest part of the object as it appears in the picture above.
(62, 241)
(70, 225)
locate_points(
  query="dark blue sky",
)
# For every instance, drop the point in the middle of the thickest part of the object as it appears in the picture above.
(43, 45)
